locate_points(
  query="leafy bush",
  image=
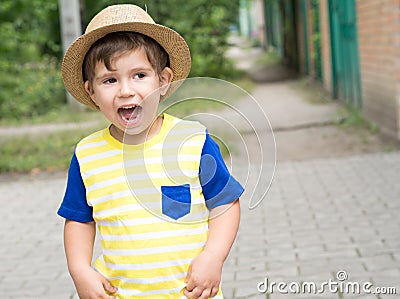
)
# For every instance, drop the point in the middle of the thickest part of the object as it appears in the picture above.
(31, 89)
(28, 29)
(23, 153)
(30, 81)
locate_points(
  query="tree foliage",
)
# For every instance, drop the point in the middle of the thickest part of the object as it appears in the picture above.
(30, 83)
(203, 23)
(29, 29)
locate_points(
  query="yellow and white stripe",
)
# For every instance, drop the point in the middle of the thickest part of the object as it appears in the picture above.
(144, 253)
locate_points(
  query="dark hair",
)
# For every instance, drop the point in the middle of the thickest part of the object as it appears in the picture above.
(117, 43)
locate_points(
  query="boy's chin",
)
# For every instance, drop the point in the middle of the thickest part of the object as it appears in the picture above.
(136, 130)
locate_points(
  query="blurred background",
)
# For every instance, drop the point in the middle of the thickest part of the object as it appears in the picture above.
(326, 73)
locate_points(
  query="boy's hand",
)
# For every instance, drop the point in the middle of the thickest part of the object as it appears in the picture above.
(92, 285)
(204, 276)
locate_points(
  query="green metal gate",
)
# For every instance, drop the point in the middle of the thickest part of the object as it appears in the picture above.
(281, 30)
(304, 9)
(316, 39)
(273, 19)
(345, 61)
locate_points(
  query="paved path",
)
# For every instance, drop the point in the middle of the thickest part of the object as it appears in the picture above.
(320, 217)
(46, 128)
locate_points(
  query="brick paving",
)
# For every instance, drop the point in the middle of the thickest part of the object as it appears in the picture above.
(320, 217)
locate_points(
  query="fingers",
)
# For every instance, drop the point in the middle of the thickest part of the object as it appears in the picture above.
(205, 294)
(108, 286)
(200, 286)
(214, 291)
(198, 293)
(201, 292)
(194, 290)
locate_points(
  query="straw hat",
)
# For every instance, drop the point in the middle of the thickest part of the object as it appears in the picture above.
(125, 17)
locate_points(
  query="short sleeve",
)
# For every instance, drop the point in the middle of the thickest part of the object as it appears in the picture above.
(74, 205)
(219, 186)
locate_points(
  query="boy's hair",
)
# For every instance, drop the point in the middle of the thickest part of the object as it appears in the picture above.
(118, 43)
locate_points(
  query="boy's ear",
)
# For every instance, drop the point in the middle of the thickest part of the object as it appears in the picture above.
(165, 79)
(89, 90)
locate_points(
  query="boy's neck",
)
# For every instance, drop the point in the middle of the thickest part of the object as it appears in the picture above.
(138, 138)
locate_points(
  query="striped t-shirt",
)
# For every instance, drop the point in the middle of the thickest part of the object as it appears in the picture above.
(150, 202)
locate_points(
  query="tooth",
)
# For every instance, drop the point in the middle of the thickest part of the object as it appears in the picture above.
(129, 107)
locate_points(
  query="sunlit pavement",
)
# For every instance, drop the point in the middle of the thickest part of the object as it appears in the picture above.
(320, 217)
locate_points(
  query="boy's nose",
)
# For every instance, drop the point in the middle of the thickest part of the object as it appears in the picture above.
(126, 89)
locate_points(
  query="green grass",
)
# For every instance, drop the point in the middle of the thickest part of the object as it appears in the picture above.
(349, 118)
(39, 152)
(311, 91)
(191, 106)
(353, 119)
(269, 58)
(63, 115)
(220, 93)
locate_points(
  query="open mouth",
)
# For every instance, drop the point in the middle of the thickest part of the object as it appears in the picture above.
(130, 114)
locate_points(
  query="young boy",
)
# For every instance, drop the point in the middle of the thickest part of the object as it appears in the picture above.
(164, 203)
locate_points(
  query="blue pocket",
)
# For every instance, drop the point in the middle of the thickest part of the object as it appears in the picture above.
(176, 201)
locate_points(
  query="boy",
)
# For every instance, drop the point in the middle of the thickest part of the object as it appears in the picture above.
(164, 203)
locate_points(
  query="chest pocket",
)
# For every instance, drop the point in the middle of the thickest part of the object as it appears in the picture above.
(176, 201)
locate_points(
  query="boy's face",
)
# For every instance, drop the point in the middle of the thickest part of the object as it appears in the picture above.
(129, 94)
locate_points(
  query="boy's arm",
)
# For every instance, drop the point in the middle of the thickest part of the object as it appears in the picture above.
(78, 243)
(205, 271)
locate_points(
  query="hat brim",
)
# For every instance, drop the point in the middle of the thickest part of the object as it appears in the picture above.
(172, 42)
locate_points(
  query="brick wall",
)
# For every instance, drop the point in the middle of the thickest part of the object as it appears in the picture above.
(378, 23)
(396, 50)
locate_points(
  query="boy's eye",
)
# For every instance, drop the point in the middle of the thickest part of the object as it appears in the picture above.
(140, 75)
(110, 80)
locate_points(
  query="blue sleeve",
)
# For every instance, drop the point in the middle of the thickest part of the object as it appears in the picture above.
(74, 205)
(219, 186)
